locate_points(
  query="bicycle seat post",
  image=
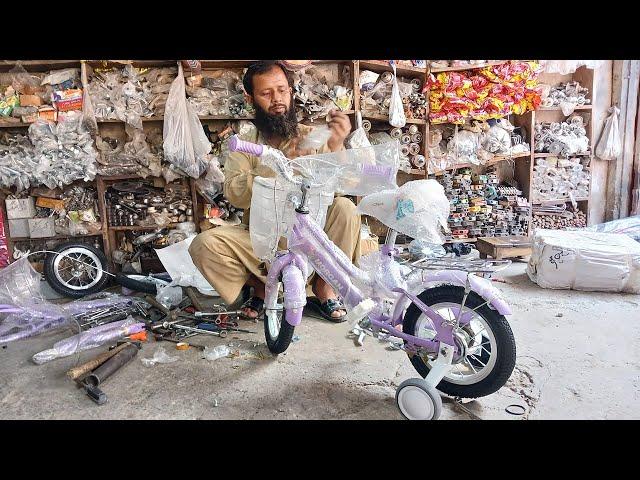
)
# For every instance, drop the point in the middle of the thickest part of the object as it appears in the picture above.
(305, 186)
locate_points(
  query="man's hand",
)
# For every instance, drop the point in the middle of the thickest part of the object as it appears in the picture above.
(340, 126)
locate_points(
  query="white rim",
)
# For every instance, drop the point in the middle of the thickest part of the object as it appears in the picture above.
(75, 275)
(415, 403)
(483, 341)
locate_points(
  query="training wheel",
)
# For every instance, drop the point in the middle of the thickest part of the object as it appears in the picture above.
(417, 400)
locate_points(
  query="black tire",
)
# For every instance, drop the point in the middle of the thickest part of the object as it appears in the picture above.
(126, 280)
(280, 343)
(57, 285)
(505, 341)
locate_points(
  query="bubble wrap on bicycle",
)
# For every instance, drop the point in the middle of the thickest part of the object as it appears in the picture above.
(418, 209)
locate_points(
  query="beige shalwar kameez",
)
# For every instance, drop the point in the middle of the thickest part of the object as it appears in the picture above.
(224, 255)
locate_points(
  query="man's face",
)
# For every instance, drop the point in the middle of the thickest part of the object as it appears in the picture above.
(271, 92)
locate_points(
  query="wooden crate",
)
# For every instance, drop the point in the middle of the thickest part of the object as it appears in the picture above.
(504, 247)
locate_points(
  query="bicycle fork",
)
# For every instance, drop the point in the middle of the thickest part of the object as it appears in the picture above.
(294, 271)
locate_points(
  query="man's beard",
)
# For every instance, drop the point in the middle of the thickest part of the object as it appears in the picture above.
(277, 125)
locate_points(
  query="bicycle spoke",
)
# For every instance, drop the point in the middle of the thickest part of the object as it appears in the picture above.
(470, 365)
(478, 360)
(488, 352)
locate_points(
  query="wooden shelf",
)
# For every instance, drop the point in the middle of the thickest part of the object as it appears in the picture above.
(158, 118)
(493, 161)
(558, 109)
(55, 237)
(560, 200)
(541, 154)
(462, 240)
(385, 118)
(13, 124)
(135, 227)
(384, 65)
(224, 117)
(467, 67)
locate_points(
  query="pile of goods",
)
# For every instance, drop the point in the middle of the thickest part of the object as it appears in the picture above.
(142, 204)
(321, 88)
(375, 94)
(47, 212)
(558, 218)
(129, 93)
(218, 93)
(556, 178)
(562, 138)
(482, 207)
(475, 142)
(567, 96)
(457, 63)
(490, 92)
(26, 97)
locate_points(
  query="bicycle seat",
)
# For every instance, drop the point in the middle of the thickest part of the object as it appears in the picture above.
(419, 209)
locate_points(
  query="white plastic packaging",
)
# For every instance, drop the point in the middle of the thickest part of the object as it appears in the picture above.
(159, 356)
(272, 212)
(215, 353)
(418, 209)
(582, 260)
(397, 117)
(610, 145)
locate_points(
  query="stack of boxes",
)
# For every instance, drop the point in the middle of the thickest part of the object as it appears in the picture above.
(21, 213)
(480, 207)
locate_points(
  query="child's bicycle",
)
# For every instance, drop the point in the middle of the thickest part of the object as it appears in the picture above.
(452, 321)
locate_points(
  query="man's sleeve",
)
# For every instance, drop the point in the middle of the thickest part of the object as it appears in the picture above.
(240, 169)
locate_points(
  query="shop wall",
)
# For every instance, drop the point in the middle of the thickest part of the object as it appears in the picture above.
(601, 103)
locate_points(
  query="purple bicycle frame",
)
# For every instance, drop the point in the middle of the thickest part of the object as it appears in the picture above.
(337, 270)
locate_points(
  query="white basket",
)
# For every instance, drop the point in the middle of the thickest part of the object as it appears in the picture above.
(272, 213)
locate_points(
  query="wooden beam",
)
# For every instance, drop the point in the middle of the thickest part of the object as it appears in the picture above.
(621, 71)
(635, 191)
(629, 138)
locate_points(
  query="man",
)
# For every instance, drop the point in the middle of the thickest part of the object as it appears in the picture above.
(224, 255)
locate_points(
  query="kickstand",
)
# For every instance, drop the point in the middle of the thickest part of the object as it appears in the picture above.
(457, 401)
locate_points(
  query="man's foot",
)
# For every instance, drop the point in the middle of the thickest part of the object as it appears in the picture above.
(253, 308)
(331, 309)
(329, 305)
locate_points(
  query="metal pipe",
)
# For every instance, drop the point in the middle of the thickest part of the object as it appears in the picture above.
(112, 365)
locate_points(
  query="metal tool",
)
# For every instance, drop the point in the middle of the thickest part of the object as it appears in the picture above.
(221, 333)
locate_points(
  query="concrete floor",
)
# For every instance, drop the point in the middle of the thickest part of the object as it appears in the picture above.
(578, 358)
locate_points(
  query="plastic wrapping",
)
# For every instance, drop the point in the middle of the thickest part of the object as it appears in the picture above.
(562, 139)
(179, 265)
(565, 67)
(582, 260)
(397, 117)
(419, 249)
(185, 144)
(217, 352)
(92, 338)
(159, 356)
(272, 212)
(610, 145)
(317, 138)
(629, 226)
(419, 209)
(321, 88)
(169, 295)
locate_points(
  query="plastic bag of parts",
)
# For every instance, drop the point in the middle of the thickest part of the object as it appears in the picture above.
(22, 81)
(185, 143)
(580, 260)
(419, 249)
(159, 356)
(419, 209)
(397, 117)
(169, 295)
(211, 184)
(629, 226)
(217, 352)
(179, 265)
(92, 338)
(610, 145)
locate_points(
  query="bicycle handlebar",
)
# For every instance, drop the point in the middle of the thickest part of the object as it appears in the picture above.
(237, 145)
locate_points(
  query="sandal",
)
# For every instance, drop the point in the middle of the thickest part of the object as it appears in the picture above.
(325, 309)
(254, 303)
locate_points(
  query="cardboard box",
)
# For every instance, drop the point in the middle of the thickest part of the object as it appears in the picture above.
(30, 100)
(19, 228)
(50, 203)
(32, 117)
(48, 113)
(20, 207)
(42, 227)
(68, 105)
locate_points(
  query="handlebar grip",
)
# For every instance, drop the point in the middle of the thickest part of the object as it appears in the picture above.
(383, 171)
(237, 145)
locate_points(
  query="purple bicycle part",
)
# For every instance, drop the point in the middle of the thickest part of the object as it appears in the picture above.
(237, 145)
